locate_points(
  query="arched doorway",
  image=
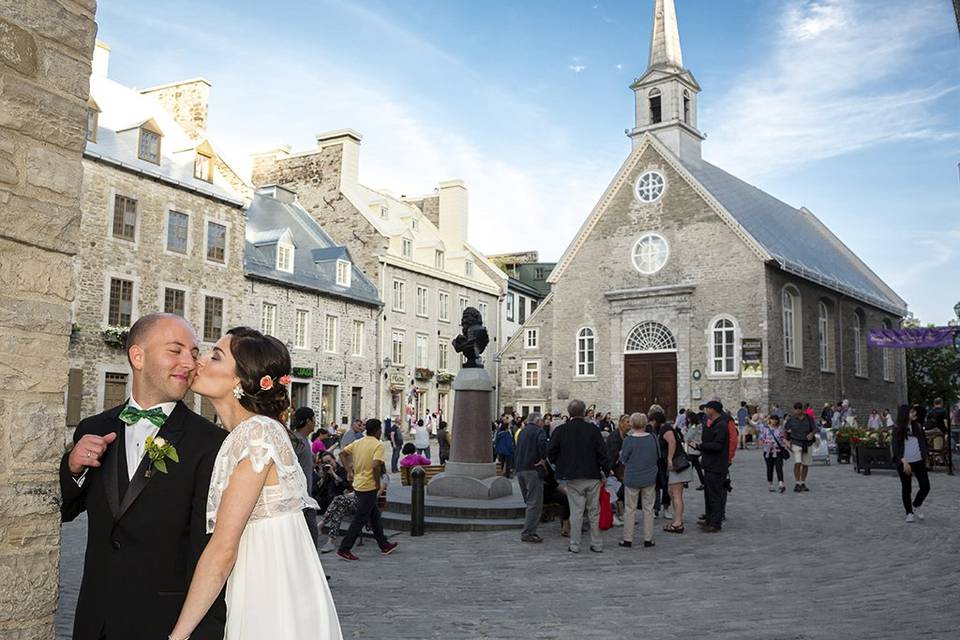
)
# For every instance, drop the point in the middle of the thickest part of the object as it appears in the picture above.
(650, 369)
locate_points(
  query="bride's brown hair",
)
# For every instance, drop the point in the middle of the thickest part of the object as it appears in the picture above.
(258, 356)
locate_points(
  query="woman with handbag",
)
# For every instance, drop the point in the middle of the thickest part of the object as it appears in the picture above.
(679, 474)
(910, 452)
(771, 438)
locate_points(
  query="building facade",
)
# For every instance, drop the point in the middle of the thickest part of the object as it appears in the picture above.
(306, 290)
(708, 286)
(415, 249)
(162, 229)
(527, 286)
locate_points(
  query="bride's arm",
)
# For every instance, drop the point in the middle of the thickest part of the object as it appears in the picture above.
(218, 558)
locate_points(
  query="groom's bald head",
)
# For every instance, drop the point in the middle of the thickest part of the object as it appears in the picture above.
(162, 349)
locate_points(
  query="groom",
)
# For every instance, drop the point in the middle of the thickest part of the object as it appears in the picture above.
(145, 528)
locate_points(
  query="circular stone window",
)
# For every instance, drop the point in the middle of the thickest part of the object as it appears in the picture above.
(650, 186)
(650, 253)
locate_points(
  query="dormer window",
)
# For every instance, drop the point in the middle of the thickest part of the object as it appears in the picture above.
(439, 260)
(468, 268)
(407, 248)
(415, 224)
(655, 111)
(285, 258)
(149, 147)
(343, 273)
(383, 211)
(203, 167)
(92, 118)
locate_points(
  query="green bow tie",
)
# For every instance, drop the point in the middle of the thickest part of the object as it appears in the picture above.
(131, 415)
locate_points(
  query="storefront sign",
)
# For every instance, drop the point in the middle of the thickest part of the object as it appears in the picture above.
(751, 355)
(302, 372)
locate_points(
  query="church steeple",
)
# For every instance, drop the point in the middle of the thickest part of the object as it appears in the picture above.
(666, 94)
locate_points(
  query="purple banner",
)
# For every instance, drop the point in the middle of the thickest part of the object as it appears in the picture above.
(917, 338)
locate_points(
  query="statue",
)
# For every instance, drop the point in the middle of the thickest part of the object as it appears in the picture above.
(473, 339)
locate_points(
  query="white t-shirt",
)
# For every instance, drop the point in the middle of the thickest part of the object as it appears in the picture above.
(422, 437)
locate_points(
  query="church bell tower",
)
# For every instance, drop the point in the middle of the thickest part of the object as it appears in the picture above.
(666, 93)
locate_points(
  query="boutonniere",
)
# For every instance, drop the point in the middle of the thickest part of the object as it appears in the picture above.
(159, 451)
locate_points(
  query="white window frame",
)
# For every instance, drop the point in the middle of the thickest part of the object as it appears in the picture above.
(464, 303)
(889, 365)
(421, 353)
(439, 260)
(651, 268)
(301, 333)
(397, 339)
(343, 273)
(859, 352)
(792, 325)
(482, 307)
(206, 161)
(824, 344)
(330, 329)
(650, 181)
(423, 302)
(733, 347)
(268, 319)
(207, 221)
(224, 313)
(134, 296)
(531, 338)
(443, 306)
(166, 232)
(510, 306)
(398, 301)
(443, 353)
(137, 224)
(358, 333)
(586, 353)
(406, 248)
(285, 249)
(468, 268)
(143, 132)
(531, 367)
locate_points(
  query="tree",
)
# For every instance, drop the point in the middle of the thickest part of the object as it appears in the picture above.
(933, 373)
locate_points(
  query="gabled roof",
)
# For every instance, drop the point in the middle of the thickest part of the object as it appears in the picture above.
(793, 239)
(314, 260)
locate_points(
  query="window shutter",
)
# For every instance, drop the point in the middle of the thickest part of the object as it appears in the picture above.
(74, 396)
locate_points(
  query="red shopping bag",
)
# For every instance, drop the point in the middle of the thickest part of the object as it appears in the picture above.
(606, 510)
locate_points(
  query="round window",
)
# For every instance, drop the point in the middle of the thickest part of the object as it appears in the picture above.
(650, 253)
(650, 186)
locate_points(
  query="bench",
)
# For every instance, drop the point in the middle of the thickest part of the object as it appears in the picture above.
(937, 449)
(431, 470)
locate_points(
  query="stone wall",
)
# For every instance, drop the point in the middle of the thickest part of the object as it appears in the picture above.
(45, 50)
(187, 102)
(147, 263)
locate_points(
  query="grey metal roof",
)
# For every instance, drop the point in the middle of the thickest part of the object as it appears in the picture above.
(268, 215)
(795, 238)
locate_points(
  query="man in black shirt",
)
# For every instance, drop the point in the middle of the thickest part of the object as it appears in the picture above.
(715, 460)
(800, 430)
(937, 418)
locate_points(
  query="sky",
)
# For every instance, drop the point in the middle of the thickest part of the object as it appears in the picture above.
(848, 107)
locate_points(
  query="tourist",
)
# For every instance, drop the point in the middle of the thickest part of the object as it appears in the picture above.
(422, 439)
(777, 411)
(800, 430)
(655, 423)
(743, 419)
(364, 461)
(772, 440)
(341, 506)
(887, 419)
(715, 458)
(504, 447)
(412, 458)
(301, 426)
(578, 451)
(640, 457)
(678, 473)
(910, 455)
(530, 460)
(681, 422)
(354, 432)
(614, 443)
(330, 481)
(555, 492)
(691, 436)
(874, 421)
(826, 416)
(443, 441)
(392, 431)
(937, 418)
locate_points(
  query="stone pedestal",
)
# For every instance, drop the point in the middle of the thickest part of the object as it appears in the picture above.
(471, 471)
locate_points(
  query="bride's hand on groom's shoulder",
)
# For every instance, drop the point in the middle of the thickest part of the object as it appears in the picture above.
(88, 451)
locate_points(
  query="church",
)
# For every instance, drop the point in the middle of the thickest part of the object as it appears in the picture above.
(685, 282)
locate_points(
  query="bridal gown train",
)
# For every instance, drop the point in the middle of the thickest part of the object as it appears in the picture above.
(277, 588)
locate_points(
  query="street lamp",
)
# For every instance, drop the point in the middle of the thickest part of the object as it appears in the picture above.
(956, 310)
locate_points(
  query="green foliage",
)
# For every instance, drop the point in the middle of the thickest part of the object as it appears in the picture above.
(933, 373)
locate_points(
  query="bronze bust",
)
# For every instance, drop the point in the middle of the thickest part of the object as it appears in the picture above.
(473, 338)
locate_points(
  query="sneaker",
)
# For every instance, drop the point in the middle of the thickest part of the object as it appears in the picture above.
(648, 543)
(596, 549)
(771, 489)
(782, 489)
(617, 522)
(909, 517)
(918, 514)
(573, 549)
(346, 555)
(329, 547)
(390, 548)
(803, 487)
(796, 488)
(624, 543)
(531, 538)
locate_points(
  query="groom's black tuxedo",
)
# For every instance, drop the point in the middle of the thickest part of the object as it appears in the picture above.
(144, 536)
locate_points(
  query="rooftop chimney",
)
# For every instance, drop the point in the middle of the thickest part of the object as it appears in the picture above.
(350, 158)
(187, 102)
(453, 213)
(101, 59)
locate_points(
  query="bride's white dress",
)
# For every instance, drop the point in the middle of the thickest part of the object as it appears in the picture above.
(277, 588)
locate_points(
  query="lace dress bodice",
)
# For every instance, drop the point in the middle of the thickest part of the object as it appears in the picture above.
(263, 440)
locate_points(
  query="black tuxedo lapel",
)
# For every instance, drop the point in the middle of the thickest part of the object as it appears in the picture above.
(171, 431)
(115, 465)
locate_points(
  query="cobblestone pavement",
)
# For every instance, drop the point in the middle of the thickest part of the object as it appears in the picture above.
(837, 562)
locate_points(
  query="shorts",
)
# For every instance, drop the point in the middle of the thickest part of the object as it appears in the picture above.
(800, 456)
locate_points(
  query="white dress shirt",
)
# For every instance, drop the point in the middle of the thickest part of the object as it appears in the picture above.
(135, 437)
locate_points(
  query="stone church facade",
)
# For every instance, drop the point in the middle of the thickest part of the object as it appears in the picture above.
(686, 282)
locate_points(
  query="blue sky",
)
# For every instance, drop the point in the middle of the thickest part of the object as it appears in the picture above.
(848, 107)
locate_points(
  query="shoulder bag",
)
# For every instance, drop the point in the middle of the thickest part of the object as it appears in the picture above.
(680, 460)
(784, 452)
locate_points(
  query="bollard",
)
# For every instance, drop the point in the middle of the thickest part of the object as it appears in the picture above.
(417, 477)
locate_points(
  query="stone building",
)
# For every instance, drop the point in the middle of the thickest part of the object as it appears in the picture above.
(305, 290)
(162, 230)
(45, 50)
(685, 282)
(415, 249)
(526, 288)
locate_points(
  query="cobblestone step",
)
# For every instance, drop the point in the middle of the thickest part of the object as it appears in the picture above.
(462, 512)
(401, 521)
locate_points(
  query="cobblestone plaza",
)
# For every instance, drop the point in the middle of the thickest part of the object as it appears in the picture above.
(838, 562)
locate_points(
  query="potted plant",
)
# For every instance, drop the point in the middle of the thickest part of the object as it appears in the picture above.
(445, 377)
(844, 439)
(74, 333)
(115, 336)
(423, 374)
(872, 450)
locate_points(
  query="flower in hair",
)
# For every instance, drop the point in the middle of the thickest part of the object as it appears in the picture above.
(266, 383)
(285, 380)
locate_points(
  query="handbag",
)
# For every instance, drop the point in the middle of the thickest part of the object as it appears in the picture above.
(680, 460)
(784, 452)
(606, 510)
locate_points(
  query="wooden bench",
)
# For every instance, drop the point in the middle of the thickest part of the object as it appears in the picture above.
(430, 470)
(937, 449)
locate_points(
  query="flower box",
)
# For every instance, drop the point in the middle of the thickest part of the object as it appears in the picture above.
(115, 336)
(867, 457)
(422, 374)
(445, 377)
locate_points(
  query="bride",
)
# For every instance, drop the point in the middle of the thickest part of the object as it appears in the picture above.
(260, 547)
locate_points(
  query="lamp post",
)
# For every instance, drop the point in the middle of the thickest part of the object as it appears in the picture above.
(956, 310)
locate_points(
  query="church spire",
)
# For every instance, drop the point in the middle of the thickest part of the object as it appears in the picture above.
(665, 40)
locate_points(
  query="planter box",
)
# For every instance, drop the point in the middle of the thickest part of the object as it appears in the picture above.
(867, 458)
(844, 453)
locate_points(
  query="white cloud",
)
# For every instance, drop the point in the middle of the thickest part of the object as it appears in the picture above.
(577, 68)
(820, 94)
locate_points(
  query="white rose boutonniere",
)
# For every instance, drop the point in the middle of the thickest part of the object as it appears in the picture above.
(159, 451)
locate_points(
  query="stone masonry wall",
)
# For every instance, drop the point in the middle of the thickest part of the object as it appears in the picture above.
(148, 263)
(339, 368)
(187, 102)
(45, 51)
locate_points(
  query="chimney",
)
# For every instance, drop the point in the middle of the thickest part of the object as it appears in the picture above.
(101, 59)
(350, 153)
(187, 102)
(263, 168)
(283, 194)
(453, 213)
